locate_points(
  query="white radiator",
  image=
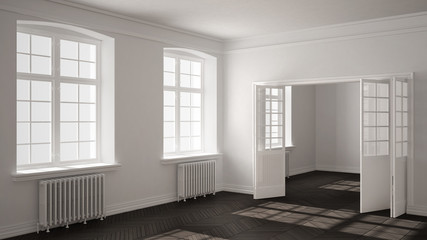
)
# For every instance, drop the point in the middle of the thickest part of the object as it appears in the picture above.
(196, 179)
(69, 200)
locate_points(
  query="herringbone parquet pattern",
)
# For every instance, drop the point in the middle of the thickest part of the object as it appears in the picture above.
(318, 205)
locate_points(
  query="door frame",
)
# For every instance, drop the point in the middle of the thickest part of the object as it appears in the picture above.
(346, 79)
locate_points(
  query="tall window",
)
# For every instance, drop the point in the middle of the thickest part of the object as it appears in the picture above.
(57, 99)
(183, 104)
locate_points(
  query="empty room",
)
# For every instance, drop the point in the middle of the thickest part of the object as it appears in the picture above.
(245, 119)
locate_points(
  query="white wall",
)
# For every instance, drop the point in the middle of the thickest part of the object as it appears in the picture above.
(337, 127)
(391, 52)
(142, 180)
(302, 157)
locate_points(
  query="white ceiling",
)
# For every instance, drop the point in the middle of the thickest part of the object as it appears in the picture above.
(234, 19)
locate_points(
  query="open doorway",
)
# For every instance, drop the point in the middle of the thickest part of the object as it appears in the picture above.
(383, 164)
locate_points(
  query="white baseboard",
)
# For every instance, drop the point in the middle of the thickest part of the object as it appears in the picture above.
(417, 210)
(238, 188)
(334, 168)
(139, 204)
(18, 229)
(300, 170)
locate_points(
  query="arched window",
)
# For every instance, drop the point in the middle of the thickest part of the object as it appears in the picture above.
(60, 88)
(190, 103)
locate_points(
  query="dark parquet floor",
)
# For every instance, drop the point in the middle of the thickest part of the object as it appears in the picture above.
(318, 205)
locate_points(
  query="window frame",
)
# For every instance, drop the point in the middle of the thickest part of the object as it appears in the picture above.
(178, 89)
(57, 34)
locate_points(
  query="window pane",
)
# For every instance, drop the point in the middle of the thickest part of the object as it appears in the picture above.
(22, 63)
(398, 134)
(87, 70)
(382, 148)
(87, 93)
(405, 149)
(382, 119)
(185, 67)
(369, 104)
(382, 90)
(196, 99)
(185, 129)
(41, 65)
(382, 105)
(87, 52)
(196, 143)
(398, 119)
(169, 79)
(185, 114)
(405, 89)
(185, 144)
(169, 114)
(405, 104)
(23, 42)
(169, 129)
(369, 119)
(405, 134)
(69, 151)
(398, 149)
(398, 88)
(169, 98)
(185, 99)
(23, 154)
(169, 64)
(69, 49)
(87, 150)
(69, 68)
(382, 133)
(87, 132)
(195, 129)
(169, 145)
(69, 132)
(196, 82)
(23, 90)
(369, 134)
(398, 104)
(22, 133)
(40, 133)
(195, 114)
(40, 153)
(69, 112)
(41, 45)
(369, 90)
(405, 119)
(69, 92)
(196, 68)
(87, 112)
(185, 81)
(40, 111)
(41, 91)
(22, 111)
(369, 148)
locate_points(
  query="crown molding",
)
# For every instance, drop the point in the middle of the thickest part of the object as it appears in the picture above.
(133, 19)
(56, 10)
(395, 25)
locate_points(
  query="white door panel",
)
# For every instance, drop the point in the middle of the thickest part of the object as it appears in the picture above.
(269, 164)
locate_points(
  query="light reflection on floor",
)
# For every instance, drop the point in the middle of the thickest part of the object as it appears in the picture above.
(343, 185)
(349, 222)
(183, 234)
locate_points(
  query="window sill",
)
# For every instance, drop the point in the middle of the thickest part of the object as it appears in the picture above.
(190, 158)
(63, 171)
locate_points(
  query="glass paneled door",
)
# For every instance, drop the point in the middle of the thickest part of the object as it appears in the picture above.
(269, 163)
(375, 145)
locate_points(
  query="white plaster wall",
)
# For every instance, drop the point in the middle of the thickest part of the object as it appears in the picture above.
(142, 179)
(404, 52)
(302, 157)
(337, 127)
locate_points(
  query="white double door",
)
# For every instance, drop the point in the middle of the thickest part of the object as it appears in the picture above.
(384, 144)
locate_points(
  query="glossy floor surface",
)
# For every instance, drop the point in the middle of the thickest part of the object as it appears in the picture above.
(318, 205)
